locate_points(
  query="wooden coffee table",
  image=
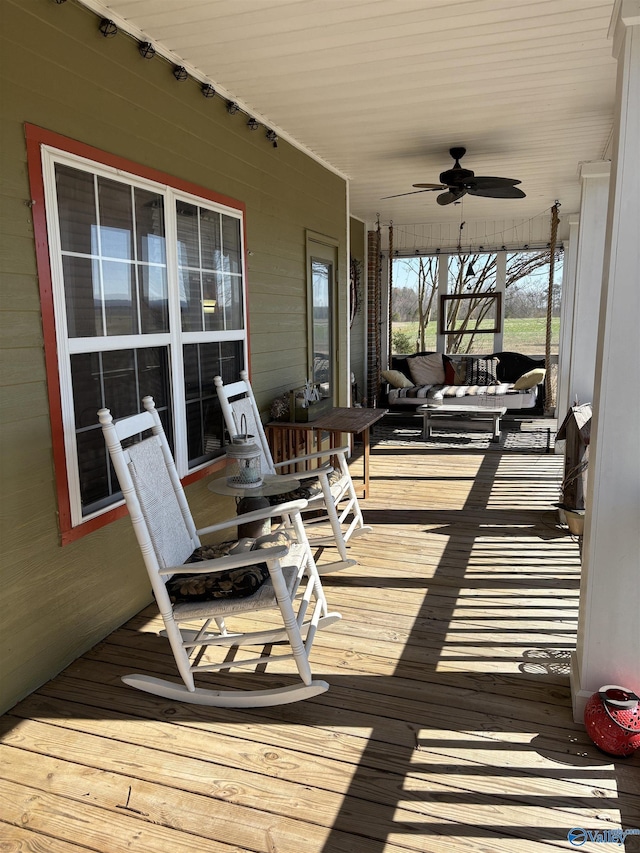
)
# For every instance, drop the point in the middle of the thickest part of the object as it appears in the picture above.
(454, 414)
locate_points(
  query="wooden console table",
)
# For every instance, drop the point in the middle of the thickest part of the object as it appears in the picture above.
(288, 439)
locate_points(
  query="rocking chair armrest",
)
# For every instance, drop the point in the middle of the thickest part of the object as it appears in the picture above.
(291, 507)
(231, 561)
(325, 468)
(319, 454)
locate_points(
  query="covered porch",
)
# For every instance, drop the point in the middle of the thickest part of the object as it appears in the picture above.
(448, 723)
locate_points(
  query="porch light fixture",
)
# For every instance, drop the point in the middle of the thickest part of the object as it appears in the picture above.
(208, 91)
(146, 50)
(272, 136)
(232, 108)
(108, 28)
(180, 73)
(470, 271)
(253, 124)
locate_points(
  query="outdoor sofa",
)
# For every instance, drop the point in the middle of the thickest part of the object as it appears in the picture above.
(509, 379)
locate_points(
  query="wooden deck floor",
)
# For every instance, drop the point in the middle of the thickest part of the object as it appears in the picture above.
(447, 726)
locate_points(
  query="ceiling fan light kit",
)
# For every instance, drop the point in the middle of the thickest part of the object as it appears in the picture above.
(457, 182)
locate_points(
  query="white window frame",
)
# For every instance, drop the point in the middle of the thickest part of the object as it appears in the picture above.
(174, 340)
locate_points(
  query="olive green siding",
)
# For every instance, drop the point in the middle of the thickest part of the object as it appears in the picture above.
(60, 73)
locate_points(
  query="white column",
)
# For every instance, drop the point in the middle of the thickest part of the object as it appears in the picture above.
(443, 289)
(501, 284)
(566, 320)
(608, 650)
(589, 270)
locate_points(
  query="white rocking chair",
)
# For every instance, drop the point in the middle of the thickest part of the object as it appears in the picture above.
(328, 491)
(199, 593)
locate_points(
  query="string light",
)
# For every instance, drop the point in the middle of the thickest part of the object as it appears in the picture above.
(146, 50)
(108, 28)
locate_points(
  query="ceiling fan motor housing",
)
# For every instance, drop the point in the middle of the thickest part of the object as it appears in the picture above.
(456, 176)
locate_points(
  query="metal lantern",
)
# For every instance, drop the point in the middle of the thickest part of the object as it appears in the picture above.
(244, 457)
(612, 720)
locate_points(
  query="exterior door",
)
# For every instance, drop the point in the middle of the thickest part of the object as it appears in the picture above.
(322, 262)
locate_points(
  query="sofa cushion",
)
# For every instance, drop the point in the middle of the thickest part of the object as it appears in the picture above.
(397, 379)
(481, 371)
(459, 372)
(449, 371)
(401, 362)
(426, 369)
(530, 379)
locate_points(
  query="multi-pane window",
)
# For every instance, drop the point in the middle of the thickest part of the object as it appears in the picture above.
(149, 300)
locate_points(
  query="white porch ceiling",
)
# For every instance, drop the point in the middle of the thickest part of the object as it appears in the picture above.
(381, 89)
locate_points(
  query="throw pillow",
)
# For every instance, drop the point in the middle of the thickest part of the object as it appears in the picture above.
(427, 369)
(459, 372)
(530, 379)
(449, 371)
(482, 371)
(397, 379)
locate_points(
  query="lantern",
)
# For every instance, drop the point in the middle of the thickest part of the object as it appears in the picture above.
(612, 720)
(244, 457)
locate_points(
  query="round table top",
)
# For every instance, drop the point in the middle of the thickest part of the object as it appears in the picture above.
(272, 484)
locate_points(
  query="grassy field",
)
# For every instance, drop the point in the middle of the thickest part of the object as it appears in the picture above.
(526, 335)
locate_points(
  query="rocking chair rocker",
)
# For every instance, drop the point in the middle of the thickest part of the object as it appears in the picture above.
(193, 590)
(327, 490)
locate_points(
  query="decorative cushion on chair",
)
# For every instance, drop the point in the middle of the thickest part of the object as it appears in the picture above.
(229, 583)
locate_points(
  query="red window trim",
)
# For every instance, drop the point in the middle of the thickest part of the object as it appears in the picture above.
(35, 138)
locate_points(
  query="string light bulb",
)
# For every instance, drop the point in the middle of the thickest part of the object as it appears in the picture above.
(108, 28)
(232, 108)
(180, 73)
(253, 124)
(146, 50)
(208, 91)
(272, 136)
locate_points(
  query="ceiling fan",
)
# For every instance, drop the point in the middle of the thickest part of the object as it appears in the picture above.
(458, 182)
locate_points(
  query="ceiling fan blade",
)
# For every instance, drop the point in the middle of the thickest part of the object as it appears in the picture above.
(450, 196)
(497, 192)
(415, 192)
(488, 182)
(431, 186)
